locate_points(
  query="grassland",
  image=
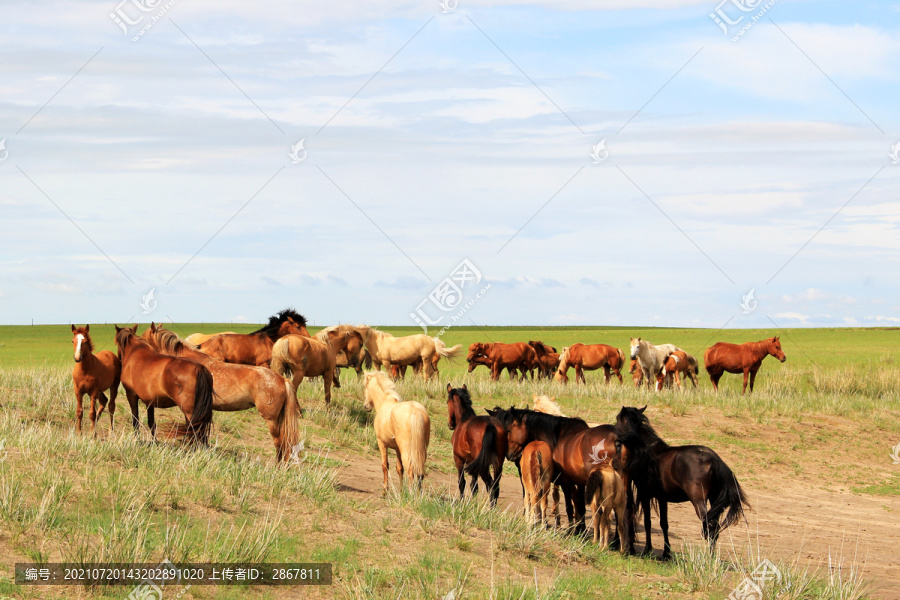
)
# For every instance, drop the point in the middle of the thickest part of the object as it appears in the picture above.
(124, 499)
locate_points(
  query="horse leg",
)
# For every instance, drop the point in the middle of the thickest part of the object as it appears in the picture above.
(746, 375)
(384, 465)
(607, 373)
(495, 484)
(715, 376)
(327, 376)
(752, 379)
(113, 392)
(579, 374)
(400, 467)
(151, 420)
(645, 508)
(460, 479)
(133, 404)
(618, 373)
(94, 415)
(664, 525)
(554, 509)
(79, 410)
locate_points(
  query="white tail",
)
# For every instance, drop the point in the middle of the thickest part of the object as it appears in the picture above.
(420, 435)
(443, 350)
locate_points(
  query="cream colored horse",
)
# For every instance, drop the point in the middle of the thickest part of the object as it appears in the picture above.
(548, 406)
(387, 350)
(195, 339)
(605, 491)
(403, 426)
(651, 358)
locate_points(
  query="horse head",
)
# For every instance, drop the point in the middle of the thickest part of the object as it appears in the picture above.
(475, 349)
(635, 347)
(123, 336)
(454, 405)
(631, 418)
(81, 338)
(774, 348)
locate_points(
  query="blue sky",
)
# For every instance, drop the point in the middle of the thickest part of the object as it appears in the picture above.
(431, 137)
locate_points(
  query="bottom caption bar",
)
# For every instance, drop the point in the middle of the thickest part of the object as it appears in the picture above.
(173, 575)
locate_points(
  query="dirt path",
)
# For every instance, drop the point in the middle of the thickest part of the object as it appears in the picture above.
(789, 521)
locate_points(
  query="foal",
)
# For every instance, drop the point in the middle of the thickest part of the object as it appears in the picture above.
(94, 374)
(537, 478)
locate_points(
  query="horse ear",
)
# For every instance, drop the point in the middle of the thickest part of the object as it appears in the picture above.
(73, 328)
(553, 399)
(534, 396)
(465, 388)
(118, 329)
(135, 327)
(87, 328)
(449, 387)
(642, 409)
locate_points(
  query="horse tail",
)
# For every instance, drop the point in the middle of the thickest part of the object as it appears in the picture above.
(443, 350)
(731, 496)
(281, 358)
(288, 421)
(537, 472)
(621, 356)
(201, 416)
(594, 487)
(420, 434)
(486, 457)
(367, 358)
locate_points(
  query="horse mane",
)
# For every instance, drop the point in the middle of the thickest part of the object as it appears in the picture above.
(549, 426)
(640, 463)
(170, 342)
(322, 335)
(276, 320)
(465, 400)
(387, 386)
(638, 423)
(547, 406)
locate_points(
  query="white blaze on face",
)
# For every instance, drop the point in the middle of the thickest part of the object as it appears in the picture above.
(79, 338)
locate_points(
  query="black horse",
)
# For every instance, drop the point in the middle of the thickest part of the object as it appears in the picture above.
(667, 473)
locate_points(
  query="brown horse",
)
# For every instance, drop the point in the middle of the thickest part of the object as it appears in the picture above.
(94, 374)
(679, 364)
(537, 479)
(479, 444)
(503, 356)
(547, 358)
(239, 387)
(589, 358)
(737, 358)
(354, 356)
(297, 356)
(578, 450)
(637, 373)
(666, 473)
(487, 362)
(165, 381)
(255, 348)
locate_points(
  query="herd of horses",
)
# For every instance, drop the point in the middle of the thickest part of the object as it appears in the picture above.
(601, 466)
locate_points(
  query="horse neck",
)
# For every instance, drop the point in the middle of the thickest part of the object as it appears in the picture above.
(380, 399)
(759, 349)
(463, 413)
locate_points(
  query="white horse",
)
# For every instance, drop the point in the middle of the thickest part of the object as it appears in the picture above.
(403, 426)
(651, 358)
(387, 350)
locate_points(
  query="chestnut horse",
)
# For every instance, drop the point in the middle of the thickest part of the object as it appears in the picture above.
(165, 381)
(503, 356)
(578, 450)
(239, 387)
(637, 373)
(537, 478)
(94, 374)
(737, 358)
(666, 473)
(678, 363)
(255, 348)
(481, 359)
(589, 358)
(547, 359)
(297, 356)
(479, 444)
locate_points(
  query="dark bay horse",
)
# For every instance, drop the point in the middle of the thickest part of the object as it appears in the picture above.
(94, 374)
(505, 356)
(578, 453)
(255, 348)
(666, 473)
(239, 387)
(165, 381)
(740, 358)
(479, 444)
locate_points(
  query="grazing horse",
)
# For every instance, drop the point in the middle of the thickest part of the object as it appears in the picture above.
(547, 358)
(479, 444)
(387, 350)
(165, 381)
(298, 357)
(537, 477)
(577, 451)
(255, 348)
(666, 473)
(651, 358)
(737, 358)
(481, 359)
(678, 363)
(403, 426)
(94, 374)
(589, 358)
(239, 387)
(505, 356)
(606, 492)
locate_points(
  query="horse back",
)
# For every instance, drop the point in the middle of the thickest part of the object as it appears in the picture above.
(729, 357)
(583, 450)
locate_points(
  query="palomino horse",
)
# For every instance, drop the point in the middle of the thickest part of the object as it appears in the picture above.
(505, 356)
(195, 339)
(403, 426)
(255, 348)
(651, 358)
(666, 473)
(577, 451)
(679, 364)
(94, 374)
(547, 358)
(239, 387)
(387, 350)
(605, 492)
(165, 381)
(589, 358)
(537, 478)
(479, 444)
(737, 358)
(298, 357)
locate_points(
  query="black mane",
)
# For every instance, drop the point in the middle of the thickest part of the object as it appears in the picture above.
(632, 419)
(465, 400)
(541, 425)
(275, 322)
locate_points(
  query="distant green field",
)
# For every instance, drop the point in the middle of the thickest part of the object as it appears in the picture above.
(52, 344)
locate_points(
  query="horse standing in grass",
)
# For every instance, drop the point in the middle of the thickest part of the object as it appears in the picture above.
(547, 359)
(740, 358)
(297, 356)
(589, 358)
(537, 478)
(387, 350)
(650, 357)
(679, 364)
(666, 473)
(605, 492)
(255, 348)
(94, 374)
(165, 381)
(479, 444)
(239, 387)
(402, 426)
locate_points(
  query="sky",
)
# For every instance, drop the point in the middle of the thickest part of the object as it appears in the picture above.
(534, 162)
